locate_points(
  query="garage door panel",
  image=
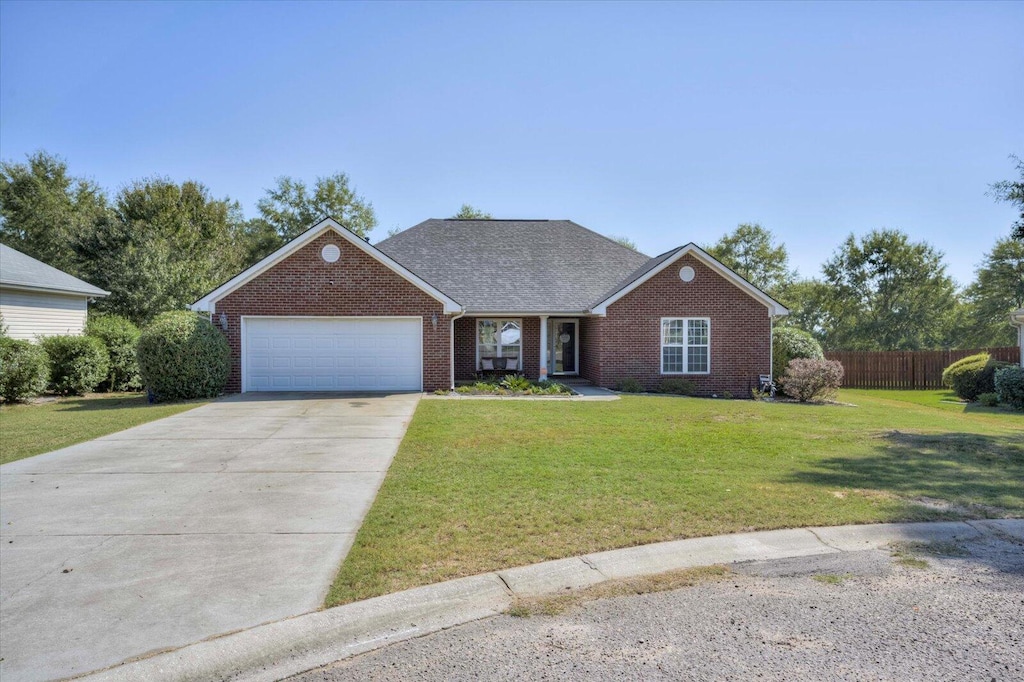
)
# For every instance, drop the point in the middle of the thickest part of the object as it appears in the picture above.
(332, 354)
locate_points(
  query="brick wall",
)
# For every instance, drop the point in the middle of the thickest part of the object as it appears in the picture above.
(630, 335)
(355, 285)
(590, 349)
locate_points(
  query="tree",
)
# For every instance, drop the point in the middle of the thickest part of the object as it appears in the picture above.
(998, 290)
(887, 293)
(751, 251)
(43, 209)
(161, 247)
(625, 241)
(468, 212)
(1012, 191)
(291, 209)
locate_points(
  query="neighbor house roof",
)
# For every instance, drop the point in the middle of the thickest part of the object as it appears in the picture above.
(516, 266)
(20, 271)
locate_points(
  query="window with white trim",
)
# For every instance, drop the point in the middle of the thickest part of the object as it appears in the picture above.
(496, 339)
(685, 345)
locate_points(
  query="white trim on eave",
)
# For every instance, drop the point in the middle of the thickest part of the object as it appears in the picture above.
(775, 309)
(53, 290)
(206, 303)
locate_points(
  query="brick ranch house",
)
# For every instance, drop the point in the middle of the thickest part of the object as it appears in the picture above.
(446, 299)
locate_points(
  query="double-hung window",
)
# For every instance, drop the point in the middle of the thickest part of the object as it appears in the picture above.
(685, 345)
(498, 339)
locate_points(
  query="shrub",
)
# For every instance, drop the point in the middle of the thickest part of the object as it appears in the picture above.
(790, 343)
(181, 356)
(677, 386)
(23, 370)
(514, 382)
(77, 363)
(988, 399)
(629, 386)
(807, 379)
(1009, 383)
(972, 376)
(121, 339)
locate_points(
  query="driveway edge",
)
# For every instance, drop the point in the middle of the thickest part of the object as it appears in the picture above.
(288, 647)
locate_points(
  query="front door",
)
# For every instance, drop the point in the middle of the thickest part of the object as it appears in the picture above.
(565, 346)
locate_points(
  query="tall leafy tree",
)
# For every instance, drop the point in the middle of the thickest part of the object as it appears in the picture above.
(1012, 191)
(886, 292)
(291, 208)
(468, 212)
(752, 251)
(997, 291)
(163, 246)
(625, 241)
(44, 209)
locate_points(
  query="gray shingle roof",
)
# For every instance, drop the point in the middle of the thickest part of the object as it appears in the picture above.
(515, 265)
(19, 270)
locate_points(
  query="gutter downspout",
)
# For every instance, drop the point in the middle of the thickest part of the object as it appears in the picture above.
(451, 349)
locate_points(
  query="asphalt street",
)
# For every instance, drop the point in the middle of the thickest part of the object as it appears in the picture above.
(864, 615)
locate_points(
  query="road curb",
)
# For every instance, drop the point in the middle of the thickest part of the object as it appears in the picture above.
(283, 648)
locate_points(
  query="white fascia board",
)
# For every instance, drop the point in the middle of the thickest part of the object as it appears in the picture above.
(54, 290)
(775, 309)
(206, 303)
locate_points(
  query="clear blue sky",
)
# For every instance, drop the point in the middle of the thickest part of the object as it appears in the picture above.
(668, 123)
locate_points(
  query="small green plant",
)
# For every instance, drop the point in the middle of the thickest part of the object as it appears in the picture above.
(183, 356)
(77, 363)
(988, 399)
(727, 395)
(1009, 383)
(464, 389)
(831, 578)
(677, 386)
(629, 385)
(23, 370)
(515, 382)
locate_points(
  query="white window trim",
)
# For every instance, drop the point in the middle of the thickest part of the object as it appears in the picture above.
(497, 347)
(685, 345)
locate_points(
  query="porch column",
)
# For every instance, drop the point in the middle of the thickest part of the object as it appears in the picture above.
(543, 365)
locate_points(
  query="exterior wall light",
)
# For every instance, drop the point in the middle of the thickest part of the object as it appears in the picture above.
(223, 321)
(433, 320)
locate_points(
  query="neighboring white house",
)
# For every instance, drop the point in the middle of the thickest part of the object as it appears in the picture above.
(39, 300)
(1017, 317)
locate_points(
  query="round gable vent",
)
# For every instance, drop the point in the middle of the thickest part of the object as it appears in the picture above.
(686, 273)
(330, 253)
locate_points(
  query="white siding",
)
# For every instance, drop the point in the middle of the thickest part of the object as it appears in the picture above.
(28, 314)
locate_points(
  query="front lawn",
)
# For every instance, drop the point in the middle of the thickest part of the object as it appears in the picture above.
(483, 485)
(27, 430)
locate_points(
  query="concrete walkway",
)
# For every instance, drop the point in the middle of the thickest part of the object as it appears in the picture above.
(221, 518)
(279, 650)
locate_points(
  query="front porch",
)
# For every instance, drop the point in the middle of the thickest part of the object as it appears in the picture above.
(538, 347)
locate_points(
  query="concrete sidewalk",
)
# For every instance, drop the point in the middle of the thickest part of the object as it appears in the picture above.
(284, 648)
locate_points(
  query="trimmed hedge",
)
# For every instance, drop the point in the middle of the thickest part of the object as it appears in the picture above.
(1009, 383)
(24, 370)
(790, 343)
(629, 385)
(677, 386)
(972, 376)
(77, 363)
(121, 339)
(183, 356)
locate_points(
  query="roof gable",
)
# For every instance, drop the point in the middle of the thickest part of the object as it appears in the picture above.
(208, 302)
(665, 260)
(515, 266)
(21, 271)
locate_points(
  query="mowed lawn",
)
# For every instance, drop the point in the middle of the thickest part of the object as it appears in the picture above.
(484, 485)
(27, 430)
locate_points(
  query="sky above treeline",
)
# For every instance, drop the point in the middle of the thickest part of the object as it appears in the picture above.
(666, 123)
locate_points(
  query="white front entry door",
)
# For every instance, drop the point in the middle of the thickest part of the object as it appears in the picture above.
(332, 354)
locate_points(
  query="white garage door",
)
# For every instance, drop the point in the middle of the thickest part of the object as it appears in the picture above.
(332, 354)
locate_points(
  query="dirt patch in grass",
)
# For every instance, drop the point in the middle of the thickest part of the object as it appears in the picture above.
(832, 578)
(662, 582)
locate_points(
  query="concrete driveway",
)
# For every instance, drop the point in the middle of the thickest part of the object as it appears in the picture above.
(229, 515)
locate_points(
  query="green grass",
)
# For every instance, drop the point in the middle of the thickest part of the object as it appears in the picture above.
(483, 485)
(944, 399)
(27, 430)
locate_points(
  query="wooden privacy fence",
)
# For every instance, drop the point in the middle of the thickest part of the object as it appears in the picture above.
(907, 369)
